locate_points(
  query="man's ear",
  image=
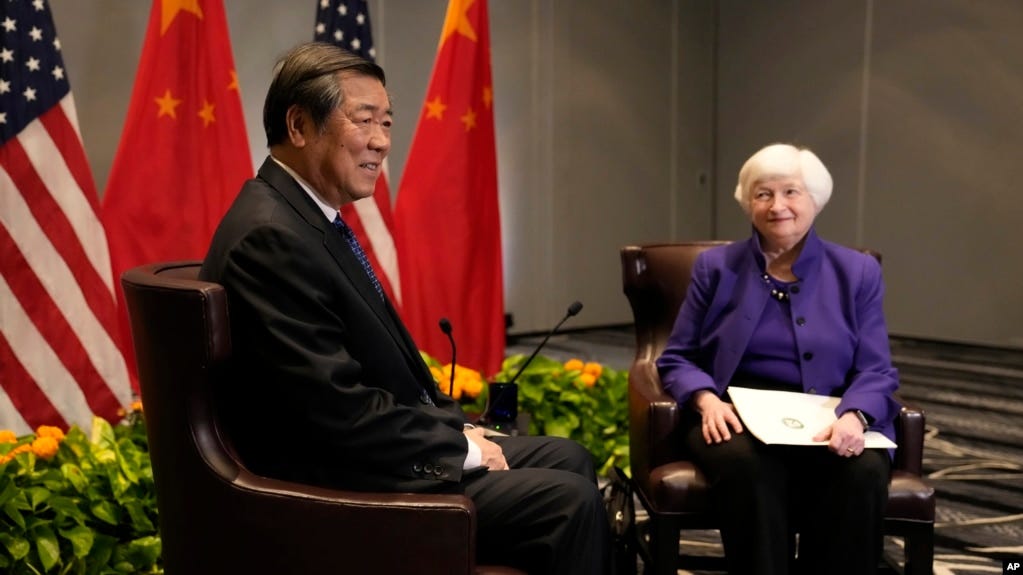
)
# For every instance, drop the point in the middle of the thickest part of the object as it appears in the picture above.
(298, 122)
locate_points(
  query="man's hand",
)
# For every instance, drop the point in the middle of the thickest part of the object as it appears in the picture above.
(719, 418)
(845, 436)
(492, 456)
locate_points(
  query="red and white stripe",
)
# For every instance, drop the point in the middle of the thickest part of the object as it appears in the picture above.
(60, 361)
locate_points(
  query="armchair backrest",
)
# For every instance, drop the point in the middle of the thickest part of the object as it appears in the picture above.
(182, 338)
(655, 279)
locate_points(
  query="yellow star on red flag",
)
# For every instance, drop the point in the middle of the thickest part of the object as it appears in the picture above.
(435, 108)
(469, 119)
(457, 20)
(167, 104)
(169, 9)
(207, 114)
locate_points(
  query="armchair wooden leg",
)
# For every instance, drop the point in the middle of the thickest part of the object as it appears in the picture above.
(920, 553)
(664, 546)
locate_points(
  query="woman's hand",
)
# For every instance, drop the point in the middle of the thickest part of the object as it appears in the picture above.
(845, 436)
(719, 418)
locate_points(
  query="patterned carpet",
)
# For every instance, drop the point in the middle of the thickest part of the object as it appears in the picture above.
(973, 455)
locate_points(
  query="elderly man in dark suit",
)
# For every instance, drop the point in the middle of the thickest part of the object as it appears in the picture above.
(330, 387)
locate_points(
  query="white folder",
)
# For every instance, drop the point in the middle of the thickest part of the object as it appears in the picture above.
(791, 418)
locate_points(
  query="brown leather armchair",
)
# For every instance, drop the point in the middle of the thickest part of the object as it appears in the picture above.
(216, 517)
(671, 489)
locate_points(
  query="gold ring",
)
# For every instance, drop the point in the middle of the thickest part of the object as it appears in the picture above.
(850, 450)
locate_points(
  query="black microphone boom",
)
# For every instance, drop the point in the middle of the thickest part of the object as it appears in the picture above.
(573, 309)
(445, 326)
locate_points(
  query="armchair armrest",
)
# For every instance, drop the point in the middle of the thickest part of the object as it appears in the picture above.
(653, 419)
(909, 435)
(354, 531)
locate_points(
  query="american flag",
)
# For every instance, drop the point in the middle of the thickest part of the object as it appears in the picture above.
(60, 360)
(345, 23)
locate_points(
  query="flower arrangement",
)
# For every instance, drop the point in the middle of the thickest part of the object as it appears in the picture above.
(467, 388)
(584, 401)
(77, 503)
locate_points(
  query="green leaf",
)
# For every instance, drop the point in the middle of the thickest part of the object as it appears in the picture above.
(102, 435)
(47, 547)
(107, 512)
(37, 496)
(8, 491)
(75, 477)
(50, 478)
(130, 475)
(144, 551)
(67, 507)
(102, 550)
(558, 428)
(81, 538)
(139, 519)
(12, 512)
(18, 547)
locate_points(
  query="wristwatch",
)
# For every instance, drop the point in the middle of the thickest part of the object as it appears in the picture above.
(863, 419)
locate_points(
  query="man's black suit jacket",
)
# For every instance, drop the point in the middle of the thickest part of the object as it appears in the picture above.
(326, 385)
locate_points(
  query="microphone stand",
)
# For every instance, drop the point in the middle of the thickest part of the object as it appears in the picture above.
(510, 385)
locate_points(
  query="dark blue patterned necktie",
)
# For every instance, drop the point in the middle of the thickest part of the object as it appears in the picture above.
(353, 242)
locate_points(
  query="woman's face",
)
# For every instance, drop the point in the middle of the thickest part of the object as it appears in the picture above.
(782, 211)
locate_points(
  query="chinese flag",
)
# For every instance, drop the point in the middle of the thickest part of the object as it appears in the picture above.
(184, 153)
(446, 216)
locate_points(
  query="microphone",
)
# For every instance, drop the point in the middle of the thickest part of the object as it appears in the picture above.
(445, 326)
(508, 413)
(573, 309)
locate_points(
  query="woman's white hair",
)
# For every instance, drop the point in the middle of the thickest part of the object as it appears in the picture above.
(784, 161)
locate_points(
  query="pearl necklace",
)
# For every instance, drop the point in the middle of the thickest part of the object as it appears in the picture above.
(778, 294)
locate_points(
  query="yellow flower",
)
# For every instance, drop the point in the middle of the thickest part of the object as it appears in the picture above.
(574, 365)
(50, 431)
(593, 368)
(45, 447)
(7, 436)
(587, 379)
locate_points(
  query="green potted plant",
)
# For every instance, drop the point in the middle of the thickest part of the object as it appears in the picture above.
(78, 504)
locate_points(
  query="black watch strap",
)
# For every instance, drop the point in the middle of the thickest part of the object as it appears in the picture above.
(863, 419)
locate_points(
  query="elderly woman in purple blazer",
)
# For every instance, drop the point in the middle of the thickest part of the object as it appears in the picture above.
(787, 310)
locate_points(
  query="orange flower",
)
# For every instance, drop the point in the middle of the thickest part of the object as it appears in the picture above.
(587, 379)
(45, 447)
(437, 374)
(136, 406)
(574, 365)
(473, 387)
(50, 431)
(7, 436)
(444, 382)
(593, 368)
(14, 452)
